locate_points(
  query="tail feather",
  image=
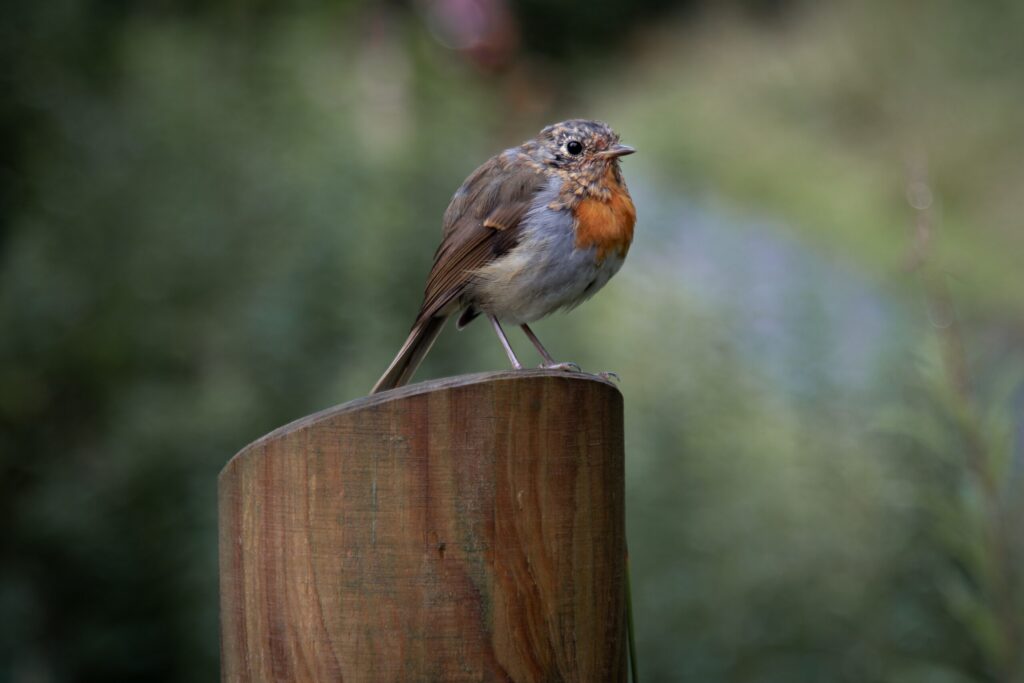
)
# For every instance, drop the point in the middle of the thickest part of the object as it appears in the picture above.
(411, 354)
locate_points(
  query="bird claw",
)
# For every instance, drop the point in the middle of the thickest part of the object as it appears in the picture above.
(568, 367)
(610, 376)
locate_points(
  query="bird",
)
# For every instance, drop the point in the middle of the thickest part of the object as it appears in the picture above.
(535, 229)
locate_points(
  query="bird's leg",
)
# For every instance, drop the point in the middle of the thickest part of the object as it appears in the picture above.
(504, 342)
(549, 362)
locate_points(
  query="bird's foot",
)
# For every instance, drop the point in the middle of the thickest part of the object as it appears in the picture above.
(567, 367)
(609, 376)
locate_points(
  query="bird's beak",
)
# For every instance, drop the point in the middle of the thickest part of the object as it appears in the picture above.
(616, 151)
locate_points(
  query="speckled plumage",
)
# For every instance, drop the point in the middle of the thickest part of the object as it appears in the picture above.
(537, 228)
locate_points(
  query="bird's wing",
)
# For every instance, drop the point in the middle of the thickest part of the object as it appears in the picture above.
(481, 223)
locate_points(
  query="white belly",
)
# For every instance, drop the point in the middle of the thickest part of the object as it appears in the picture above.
(545, 272)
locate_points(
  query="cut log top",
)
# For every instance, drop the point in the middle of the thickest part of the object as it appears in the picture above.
(462, 529)
(419, 388)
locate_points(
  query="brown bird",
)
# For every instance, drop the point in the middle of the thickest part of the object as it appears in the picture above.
(538, 228)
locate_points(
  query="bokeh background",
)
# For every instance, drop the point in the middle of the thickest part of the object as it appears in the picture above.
(218, 216)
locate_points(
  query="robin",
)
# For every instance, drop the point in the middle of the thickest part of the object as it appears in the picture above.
(537, 228)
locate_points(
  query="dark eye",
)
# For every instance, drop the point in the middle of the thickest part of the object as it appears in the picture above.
(573, 147)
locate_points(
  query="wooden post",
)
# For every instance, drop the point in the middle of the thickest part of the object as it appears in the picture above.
(466, 529)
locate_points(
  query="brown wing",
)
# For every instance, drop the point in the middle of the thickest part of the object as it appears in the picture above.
(481, 223)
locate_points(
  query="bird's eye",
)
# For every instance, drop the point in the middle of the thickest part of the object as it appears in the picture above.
(573, 147)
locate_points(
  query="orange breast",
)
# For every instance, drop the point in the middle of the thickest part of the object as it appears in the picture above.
(607, 225)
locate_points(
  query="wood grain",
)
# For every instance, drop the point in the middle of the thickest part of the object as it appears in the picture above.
(467, 529)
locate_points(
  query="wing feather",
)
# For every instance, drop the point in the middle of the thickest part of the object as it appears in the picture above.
(481, 223)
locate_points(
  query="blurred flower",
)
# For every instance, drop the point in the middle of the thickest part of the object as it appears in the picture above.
(484, 31)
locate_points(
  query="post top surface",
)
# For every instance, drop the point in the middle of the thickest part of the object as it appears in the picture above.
(474, 525)
(419, 388)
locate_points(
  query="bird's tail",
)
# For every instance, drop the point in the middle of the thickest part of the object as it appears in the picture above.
(409, 357)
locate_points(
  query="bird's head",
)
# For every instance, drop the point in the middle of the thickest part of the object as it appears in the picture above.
(577, 145)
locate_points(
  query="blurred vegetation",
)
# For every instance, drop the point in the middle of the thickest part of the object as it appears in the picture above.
(218, 217)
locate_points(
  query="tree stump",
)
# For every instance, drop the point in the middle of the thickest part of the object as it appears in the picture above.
(465, 529)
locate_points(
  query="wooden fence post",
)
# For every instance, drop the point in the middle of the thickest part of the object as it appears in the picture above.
(465, 529)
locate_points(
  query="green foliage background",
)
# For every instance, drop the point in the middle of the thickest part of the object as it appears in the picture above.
(218, 218)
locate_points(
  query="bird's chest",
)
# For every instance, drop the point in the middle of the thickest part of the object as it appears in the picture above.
(566, 254)
(605, 223)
